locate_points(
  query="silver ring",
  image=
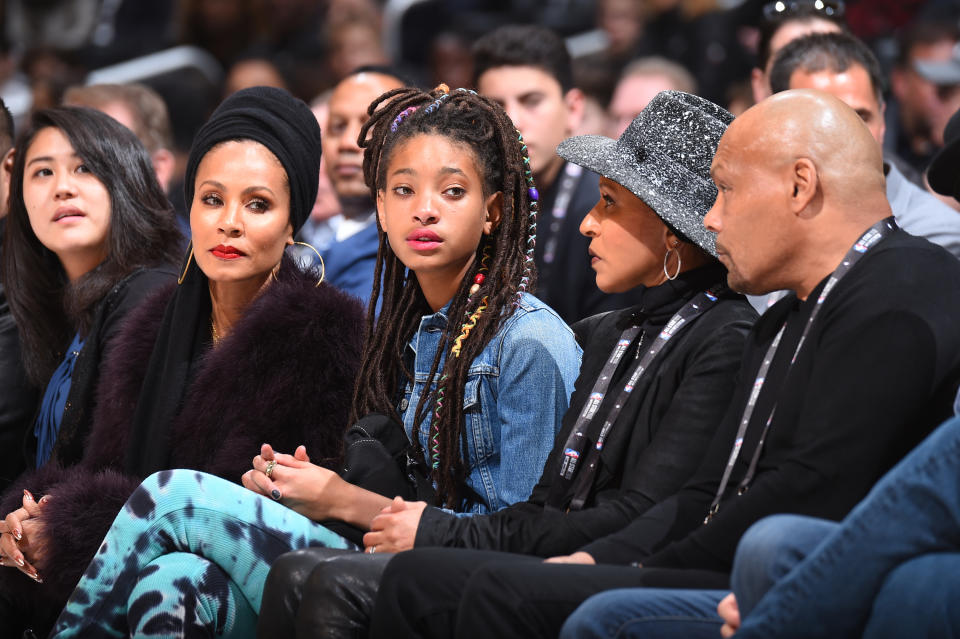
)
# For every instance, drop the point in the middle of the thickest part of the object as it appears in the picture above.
(269, 470)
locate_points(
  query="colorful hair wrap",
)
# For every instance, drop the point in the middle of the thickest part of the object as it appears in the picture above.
(534, 196)
(465, 329)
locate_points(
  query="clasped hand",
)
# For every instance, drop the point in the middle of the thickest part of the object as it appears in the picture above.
(395, 528)
(309, 489)
(22, 540)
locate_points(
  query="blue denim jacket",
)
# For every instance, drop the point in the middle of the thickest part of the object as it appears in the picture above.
(517, 391)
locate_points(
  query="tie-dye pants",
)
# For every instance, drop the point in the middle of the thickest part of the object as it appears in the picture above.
(186, 557)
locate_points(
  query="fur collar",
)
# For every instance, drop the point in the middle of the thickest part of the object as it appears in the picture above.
(284, 376)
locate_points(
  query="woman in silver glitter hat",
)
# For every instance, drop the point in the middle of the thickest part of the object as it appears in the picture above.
(653, 386)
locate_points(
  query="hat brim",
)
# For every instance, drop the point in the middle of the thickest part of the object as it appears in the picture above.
(678, 197)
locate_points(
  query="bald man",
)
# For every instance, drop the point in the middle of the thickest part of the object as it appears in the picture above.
(838, 381)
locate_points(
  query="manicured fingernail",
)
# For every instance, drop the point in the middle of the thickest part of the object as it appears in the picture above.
(275, 494)
(44, 499)
(19, 561)
(17, 535)
(28, 494)
(36, 577)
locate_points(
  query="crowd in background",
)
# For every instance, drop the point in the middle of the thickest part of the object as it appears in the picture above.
(307, 46)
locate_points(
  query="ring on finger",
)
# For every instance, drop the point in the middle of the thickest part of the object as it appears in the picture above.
(372, 549)
(269, 470)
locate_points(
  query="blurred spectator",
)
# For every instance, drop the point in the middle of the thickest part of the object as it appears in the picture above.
(787, 21)
(101, 31)
(351, 258)
(17, 399)
(140, 109)
(353, 42)
(622, 21)
(641, 80)
(597, 85)
(66, 25)
(923, 106)
(739, 96)
(225, 28)
(320, 228)
(50, 72)
(451, 60)
(253, 71)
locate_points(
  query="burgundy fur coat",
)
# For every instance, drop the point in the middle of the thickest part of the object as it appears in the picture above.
(285, 375)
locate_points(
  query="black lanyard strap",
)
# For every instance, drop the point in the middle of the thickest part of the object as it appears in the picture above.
(871, 236)
(576, 441)
(568, 184)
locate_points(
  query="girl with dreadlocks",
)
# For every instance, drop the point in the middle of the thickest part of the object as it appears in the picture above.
(477, 370)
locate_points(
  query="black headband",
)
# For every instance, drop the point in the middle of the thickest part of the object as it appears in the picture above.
(278, 121)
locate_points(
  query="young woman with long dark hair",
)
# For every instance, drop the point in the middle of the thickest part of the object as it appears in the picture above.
(89, 235)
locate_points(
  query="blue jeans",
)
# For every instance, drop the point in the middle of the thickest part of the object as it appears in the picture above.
(186, 556)
(889, 569)
(647, 612)
(768, 550)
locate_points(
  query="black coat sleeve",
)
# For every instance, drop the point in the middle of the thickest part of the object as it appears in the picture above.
(868, 394)
(687, 412)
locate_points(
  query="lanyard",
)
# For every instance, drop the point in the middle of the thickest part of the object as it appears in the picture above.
(568, 183)
(576, 441)
(872, 235)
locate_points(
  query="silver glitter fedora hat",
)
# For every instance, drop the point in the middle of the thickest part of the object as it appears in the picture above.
(663, 158)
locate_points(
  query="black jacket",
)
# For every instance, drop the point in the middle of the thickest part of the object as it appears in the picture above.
(18, 398)
(659, 438)
(78, 411)
(878, 371)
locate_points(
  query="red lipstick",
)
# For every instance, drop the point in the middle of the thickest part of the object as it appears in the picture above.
(226, 252)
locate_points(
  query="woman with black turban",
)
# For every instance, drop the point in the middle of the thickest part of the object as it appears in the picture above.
(246, 348)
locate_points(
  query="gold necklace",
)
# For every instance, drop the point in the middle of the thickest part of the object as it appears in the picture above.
(213, 330)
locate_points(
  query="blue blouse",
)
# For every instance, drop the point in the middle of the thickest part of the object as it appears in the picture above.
(48, 421)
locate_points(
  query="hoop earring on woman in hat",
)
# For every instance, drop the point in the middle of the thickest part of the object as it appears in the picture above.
(666, 259)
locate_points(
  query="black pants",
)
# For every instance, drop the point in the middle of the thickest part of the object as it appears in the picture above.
(321, 593)
(446, 592)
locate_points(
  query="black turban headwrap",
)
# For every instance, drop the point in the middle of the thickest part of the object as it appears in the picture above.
(287, 127)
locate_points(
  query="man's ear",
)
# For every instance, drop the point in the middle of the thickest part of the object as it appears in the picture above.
(805, 187)
(494, 207)
(576, 105)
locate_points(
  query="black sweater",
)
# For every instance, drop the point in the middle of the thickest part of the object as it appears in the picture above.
(879, 370)
(659, 438)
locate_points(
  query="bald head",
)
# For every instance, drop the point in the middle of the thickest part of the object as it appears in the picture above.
(800, 177)
(815, 125)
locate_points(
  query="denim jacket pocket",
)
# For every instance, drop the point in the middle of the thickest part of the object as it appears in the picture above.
(476, 420)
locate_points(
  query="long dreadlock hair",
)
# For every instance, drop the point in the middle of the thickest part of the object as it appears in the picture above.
(504, 258)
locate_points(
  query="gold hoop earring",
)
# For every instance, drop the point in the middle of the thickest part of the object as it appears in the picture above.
(666, 258)
(323, 267)
(186, 268)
